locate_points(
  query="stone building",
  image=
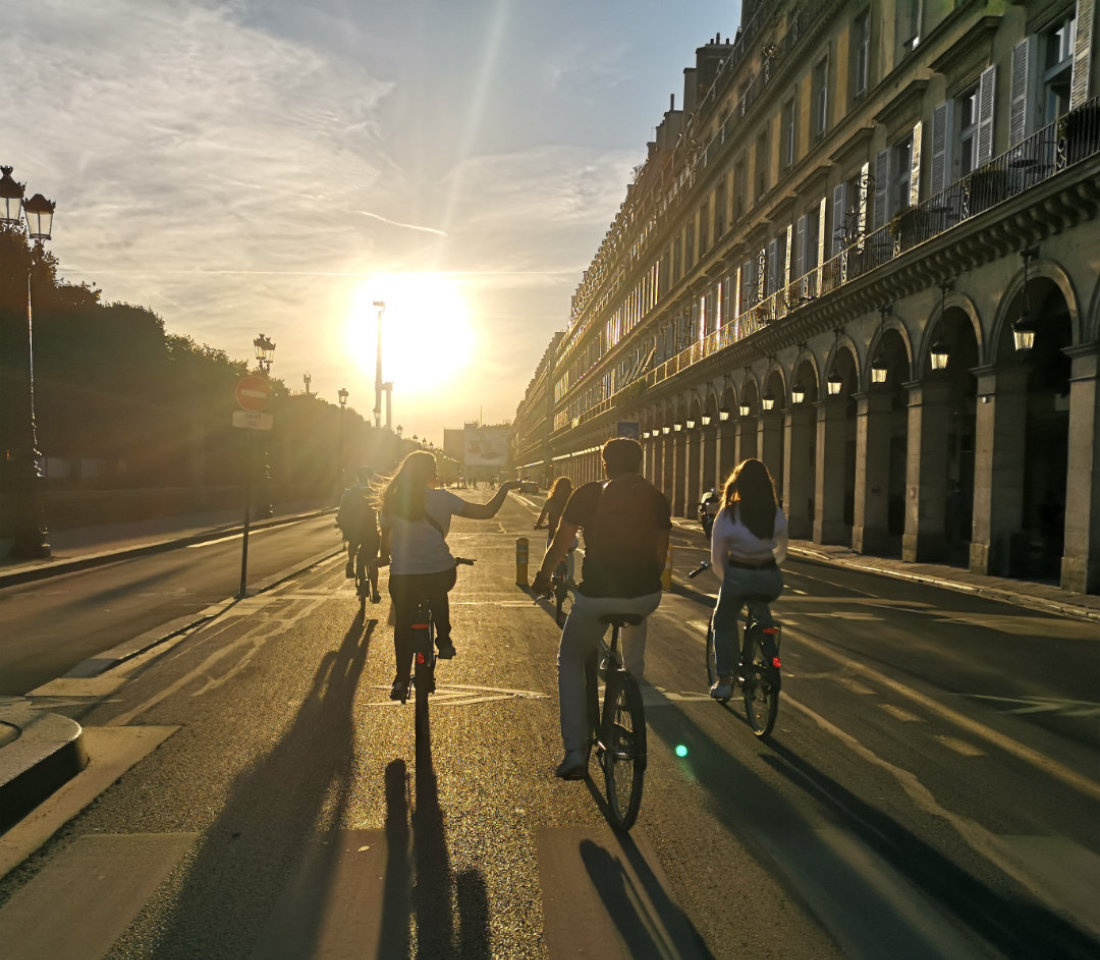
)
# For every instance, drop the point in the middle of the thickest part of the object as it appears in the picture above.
(865, 250)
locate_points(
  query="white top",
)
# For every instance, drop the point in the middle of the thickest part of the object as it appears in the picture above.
(731, 538)
(418, 547)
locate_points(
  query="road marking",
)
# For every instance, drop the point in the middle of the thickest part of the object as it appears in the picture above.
(463, 695)
(853, 685)
(233, 536)
(1053, 768)
(1066, 708)
(606, 897)
(899, 714)
(960, 747)
(102, 881)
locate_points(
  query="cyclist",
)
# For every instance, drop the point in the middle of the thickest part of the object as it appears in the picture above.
(358, 523)
(626, 523)
(551, 513)
(415, 519)
(748, 542)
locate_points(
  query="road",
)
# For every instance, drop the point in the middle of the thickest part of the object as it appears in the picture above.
(930, 790)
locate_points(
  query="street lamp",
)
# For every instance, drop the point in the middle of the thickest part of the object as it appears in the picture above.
(380, 306)
(19, 459)
(1024, 329)
(879, 370)
(834, 383)
(938, 352)
(265, 353)
(307, 380)
(798, 392)
(265, 357)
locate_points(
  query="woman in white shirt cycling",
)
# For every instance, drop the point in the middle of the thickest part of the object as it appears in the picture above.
(415, 520)
(747, 544)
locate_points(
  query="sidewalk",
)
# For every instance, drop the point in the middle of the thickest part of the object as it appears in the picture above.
(1046, 597)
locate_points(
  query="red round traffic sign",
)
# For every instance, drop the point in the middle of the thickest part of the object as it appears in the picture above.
(253, 393)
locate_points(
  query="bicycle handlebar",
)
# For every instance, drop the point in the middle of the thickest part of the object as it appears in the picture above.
(468, 563)
(705, 565)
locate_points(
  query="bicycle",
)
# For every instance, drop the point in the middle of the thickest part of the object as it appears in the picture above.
(366, 576)
(559, 587)
(759, 677)
(424, 657)
(619, 731)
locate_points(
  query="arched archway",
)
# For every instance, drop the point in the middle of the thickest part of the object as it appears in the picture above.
(769, 443)
(834, 510)
(800, 448)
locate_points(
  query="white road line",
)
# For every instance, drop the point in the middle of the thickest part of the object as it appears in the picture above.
(899, 714)
(960, 747)
(1053, 768)
(232, 536)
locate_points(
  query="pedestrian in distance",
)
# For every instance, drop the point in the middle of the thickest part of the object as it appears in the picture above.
(358, 523)
(626, 523)
(416, 517)
(747, 544)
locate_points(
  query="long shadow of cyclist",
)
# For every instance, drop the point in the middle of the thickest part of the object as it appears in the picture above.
(268, 824)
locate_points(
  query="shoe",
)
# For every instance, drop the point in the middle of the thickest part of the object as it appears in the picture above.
(399, 690)
(349, 570)
(446, 650)
(722, 690)
(376, 597)
(574, 766)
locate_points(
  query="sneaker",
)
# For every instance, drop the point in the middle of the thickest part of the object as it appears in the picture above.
(349, 570)
(376, 597)
(574, 766)
(722, 690)
(399, 690)
(446, 650)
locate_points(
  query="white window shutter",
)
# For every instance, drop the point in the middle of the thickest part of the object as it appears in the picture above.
(939, 150)
(787, 255)
(1082, 54)
(798, 253)
(1019, 110)
(987, 100)
(773, 267)
(914, 164)
(840, 204)
(882, 189)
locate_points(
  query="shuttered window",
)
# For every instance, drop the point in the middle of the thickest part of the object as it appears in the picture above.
(986, 105)
(1019, 119)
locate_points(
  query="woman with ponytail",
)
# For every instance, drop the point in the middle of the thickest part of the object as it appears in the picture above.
(747, 544)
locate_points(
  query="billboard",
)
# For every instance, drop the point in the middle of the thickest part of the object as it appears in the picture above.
(486, 446)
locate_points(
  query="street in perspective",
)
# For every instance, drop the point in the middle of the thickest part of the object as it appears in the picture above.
(680, 545)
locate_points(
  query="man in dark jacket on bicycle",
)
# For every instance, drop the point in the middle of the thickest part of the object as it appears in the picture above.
(626, 523)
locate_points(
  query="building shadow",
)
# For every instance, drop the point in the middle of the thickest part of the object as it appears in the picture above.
(268, 825)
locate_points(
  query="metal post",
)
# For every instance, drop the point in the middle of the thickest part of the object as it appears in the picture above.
(242, 593)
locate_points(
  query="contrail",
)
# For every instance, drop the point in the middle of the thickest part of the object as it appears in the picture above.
(398, 223)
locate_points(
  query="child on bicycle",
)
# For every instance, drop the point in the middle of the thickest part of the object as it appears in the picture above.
(748, 542)
(416, 517)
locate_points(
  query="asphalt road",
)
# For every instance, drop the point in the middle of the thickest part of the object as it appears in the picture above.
(930, 790)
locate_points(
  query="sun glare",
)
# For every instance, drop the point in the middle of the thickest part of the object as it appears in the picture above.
(427, 337)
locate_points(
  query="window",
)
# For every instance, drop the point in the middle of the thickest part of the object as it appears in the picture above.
(689, 244)
(762, 162)
(966, 108)
(786, 131)
(677, 265)
(720, 209)
(908, 24)
(819, 119)
(1057, 63)
(861, 54)
(740, 188)
(704, 229)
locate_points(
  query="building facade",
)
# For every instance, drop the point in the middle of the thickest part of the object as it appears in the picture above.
(865, 250)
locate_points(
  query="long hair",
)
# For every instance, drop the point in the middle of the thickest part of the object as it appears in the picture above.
(405, 492)
(751, 486)
(562, 487)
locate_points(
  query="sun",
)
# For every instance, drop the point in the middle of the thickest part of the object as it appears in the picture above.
(427, 336)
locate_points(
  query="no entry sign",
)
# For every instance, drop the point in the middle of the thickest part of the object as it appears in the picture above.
(253, 393)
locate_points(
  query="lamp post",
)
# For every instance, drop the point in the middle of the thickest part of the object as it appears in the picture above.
(342, 393)
(380, 306)
(265, 356)
(21, 478)
(307, 380)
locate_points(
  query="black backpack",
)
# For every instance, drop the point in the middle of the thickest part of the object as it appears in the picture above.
(621, 540)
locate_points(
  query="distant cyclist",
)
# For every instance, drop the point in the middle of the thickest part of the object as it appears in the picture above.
(747, 544)
(626, 522)
(416, 517)
(358, 523)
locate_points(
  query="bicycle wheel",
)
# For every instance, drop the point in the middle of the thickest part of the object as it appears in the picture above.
(761, 688)
(423, 667)
(560, 590)
(624, 742)
(712, 662)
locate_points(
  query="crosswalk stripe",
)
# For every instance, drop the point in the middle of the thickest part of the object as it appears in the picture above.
(101, 883)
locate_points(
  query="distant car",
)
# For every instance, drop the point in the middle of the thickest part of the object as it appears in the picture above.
(528, 486)
(709, 503)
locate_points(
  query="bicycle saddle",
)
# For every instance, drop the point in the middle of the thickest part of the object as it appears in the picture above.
(621, 619)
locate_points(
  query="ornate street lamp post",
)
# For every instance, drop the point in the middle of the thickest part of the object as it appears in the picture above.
(342, 393)
(20, 475)
(265, 356)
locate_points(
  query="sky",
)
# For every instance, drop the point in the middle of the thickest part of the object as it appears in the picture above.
(279, 166)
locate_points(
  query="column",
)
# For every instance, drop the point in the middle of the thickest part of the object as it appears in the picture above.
(694, 471)
(746, 439)
(1081, 557)
(727, 450)
(832, 429)
(870, 529)
(656, 461)
(679, 472)
(926, 470)
(799, 427)
(667, 463)
(769, 435)
(999, 448)
(709, 458)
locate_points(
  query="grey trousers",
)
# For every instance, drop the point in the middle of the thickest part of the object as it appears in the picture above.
(579, 640)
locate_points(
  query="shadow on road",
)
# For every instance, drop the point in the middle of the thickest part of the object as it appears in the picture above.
(267, 826)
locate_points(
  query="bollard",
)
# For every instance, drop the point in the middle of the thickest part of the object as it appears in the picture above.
(521, 561)
(666, 575)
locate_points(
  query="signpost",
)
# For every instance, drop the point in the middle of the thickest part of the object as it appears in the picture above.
(253, 394)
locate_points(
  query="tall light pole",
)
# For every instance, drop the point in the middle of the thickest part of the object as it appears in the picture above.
(19, 459)
(307, 380)
(343, 395)
(380, 306)
(265, 356)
